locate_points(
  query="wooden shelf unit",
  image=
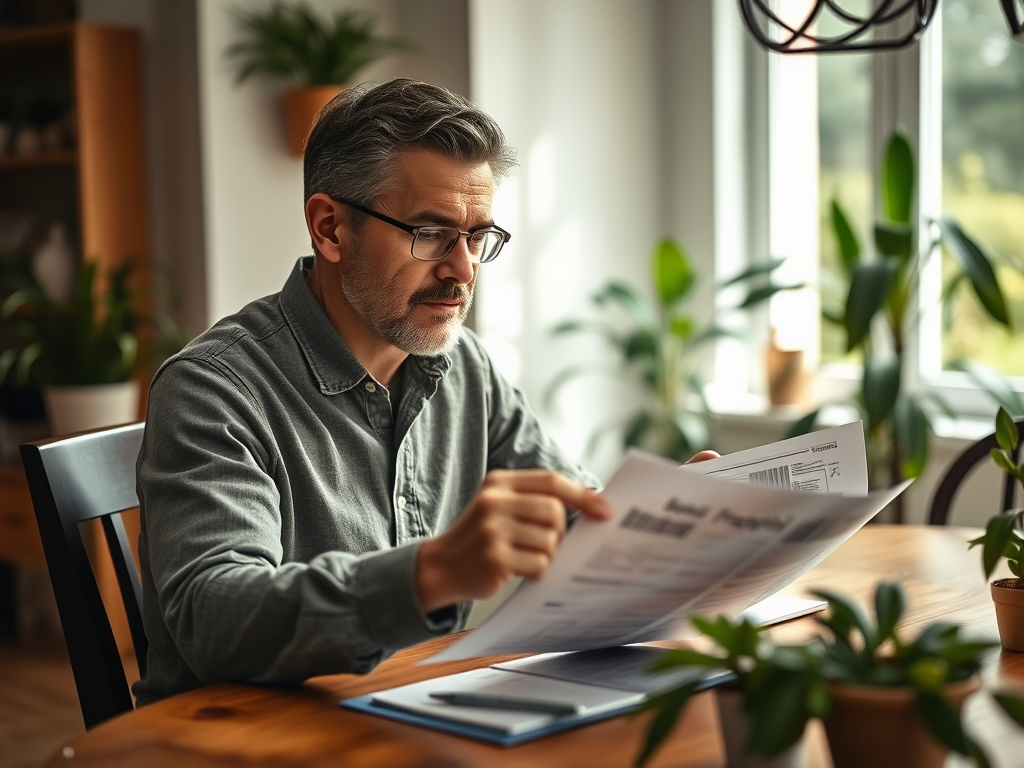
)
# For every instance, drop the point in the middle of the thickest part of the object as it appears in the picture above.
(96, 186)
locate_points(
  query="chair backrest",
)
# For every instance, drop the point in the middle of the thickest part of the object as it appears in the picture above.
(942, 501)
(74, 479)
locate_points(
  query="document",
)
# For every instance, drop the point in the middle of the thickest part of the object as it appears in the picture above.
(586, 701)
(709, 538)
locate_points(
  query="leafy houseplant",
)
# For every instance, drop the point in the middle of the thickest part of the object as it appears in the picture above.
(882, 292)
(655, 349)
(856, 673)
(1003, 540)
(315, 57)
(89, 341)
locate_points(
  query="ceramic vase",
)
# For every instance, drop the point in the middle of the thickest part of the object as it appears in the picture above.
(76, 409)
(301, 107)
(879, 726)
(735, 726)
(1009, 603)
(54, 264)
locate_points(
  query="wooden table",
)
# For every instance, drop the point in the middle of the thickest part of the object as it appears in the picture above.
(303, 725)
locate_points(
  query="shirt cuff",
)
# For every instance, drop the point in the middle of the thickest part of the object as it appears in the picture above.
(390, 609)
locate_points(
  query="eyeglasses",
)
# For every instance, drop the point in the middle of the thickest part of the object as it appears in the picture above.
(434, 243)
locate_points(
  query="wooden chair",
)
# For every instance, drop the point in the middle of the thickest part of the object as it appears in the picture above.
(73, 479)
(942, 501)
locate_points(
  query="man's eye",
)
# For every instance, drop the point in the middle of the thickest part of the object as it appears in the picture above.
(431, 235)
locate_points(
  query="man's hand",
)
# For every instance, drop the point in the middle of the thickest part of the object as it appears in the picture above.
(703, 456)
(512, 527)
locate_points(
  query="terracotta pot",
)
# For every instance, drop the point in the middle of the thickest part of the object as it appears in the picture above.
(301, 106)
(1009, 613)
(735, 726)
(879, 727)
(76, 409)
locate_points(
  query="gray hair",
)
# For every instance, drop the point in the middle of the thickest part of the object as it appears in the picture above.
(352, 149)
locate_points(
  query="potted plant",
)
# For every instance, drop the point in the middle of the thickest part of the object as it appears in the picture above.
(884, 701)
(879, 302)
(82, 352)
(1003, 540)
(314, 57)
(655, 350)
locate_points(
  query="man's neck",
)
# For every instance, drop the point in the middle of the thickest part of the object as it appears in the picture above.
(379, 358)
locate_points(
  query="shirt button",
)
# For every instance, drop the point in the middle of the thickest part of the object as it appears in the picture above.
(401, 502)
(371, 387)
(385, 421)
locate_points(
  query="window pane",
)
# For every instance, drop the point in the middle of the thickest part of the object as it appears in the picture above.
(844, 122)
(983, 168)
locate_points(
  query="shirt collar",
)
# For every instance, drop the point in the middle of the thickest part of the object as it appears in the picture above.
(329, 357)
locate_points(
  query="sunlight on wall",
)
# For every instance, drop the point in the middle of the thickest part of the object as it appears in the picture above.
(793, 153)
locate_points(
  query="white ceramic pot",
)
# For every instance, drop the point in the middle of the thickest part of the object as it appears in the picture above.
(76, 409)
(735, 725)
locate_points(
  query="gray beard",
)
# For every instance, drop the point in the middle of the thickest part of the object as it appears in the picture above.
(368, 298)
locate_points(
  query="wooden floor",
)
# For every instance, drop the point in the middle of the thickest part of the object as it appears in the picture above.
(38, 704)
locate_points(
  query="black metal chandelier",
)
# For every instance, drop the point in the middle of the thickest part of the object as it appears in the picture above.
(889, 25)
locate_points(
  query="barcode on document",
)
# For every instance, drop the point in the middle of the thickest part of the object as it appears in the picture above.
(775, 477)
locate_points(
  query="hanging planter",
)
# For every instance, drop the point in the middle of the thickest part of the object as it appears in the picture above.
(301, 107)
(291, 43)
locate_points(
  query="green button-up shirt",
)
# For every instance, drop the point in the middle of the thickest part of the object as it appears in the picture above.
(284, 494)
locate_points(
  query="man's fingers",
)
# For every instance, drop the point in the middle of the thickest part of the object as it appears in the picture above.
(569, 492)
(703, 456)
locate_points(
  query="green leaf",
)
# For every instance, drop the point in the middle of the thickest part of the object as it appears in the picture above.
(996, 386)
(805, 424)
(1012, 705)
(898, 179)
(670, 707)
(889, 606)
(681, 327)
(755, 270)
(869, 287)
(942, 721)
(881, 387)
(1006, 431)
(605, 330)
(758, 295)
(894, 240)
(778, 720)
(998, 533)
(978, 268)
(719, 629)
(637, 428)
(912, 430)
(845, 616)
(628, 300)
(1002, 461)
(693, 432)
(687, 657)
(641, 343)
(672, 273)
(846, 240)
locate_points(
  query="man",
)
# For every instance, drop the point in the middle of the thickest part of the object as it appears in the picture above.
(332, 473)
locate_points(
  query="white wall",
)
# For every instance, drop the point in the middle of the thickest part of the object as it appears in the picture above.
(252, 187)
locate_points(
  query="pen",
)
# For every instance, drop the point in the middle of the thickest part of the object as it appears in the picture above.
(489, 701)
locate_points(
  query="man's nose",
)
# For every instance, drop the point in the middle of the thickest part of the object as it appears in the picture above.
(458, 264)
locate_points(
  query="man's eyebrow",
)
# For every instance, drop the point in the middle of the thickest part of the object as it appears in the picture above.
(435, 217)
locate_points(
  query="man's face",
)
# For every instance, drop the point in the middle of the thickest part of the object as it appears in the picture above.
(418, 306)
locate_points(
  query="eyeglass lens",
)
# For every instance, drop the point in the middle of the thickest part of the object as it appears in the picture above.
(434, 243)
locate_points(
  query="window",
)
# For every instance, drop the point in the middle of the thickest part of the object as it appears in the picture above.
(959, 94)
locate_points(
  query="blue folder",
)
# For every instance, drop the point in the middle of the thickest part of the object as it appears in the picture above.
(367, 705)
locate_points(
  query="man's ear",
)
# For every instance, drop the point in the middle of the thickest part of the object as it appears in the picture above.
(328, 227)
